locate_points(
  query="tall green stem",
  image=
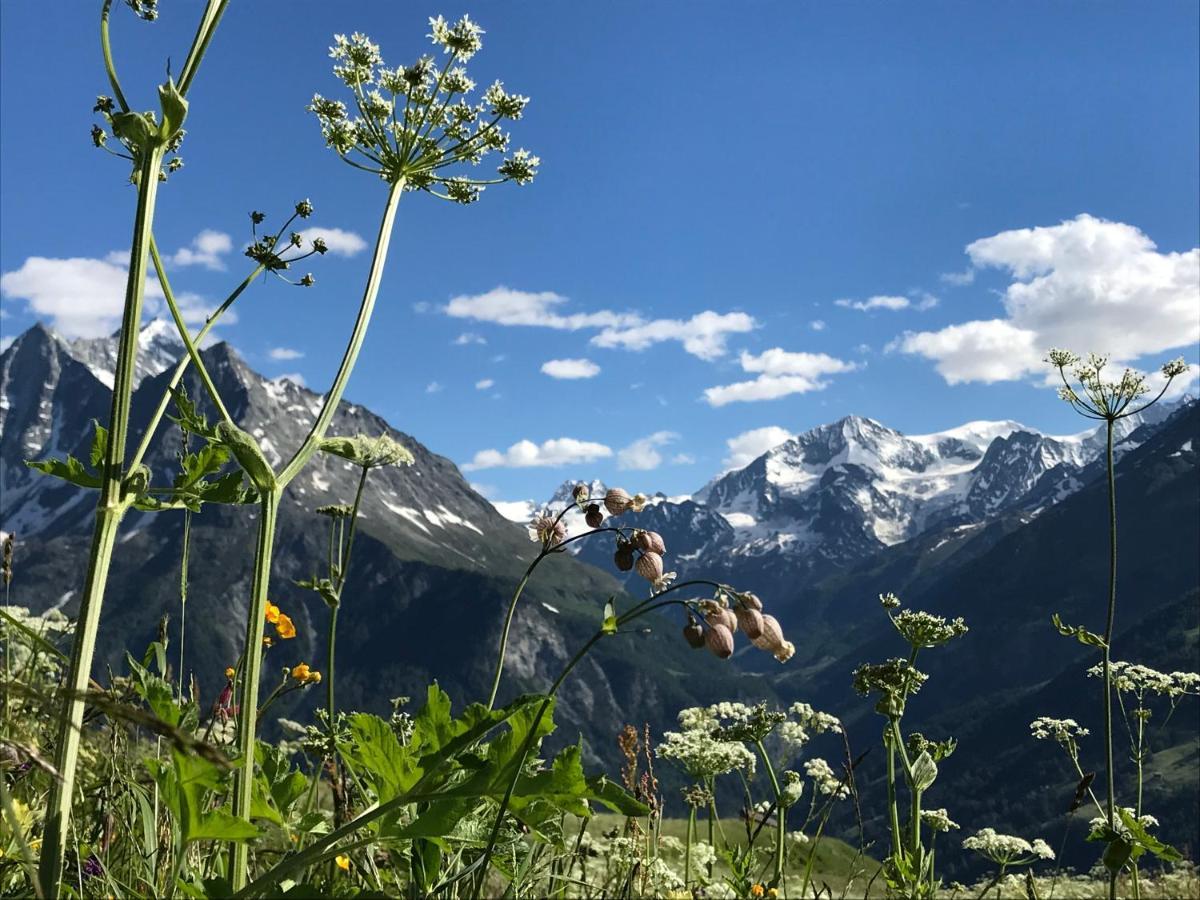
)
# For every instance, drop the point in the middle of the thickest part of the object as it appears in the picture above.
(1108, 631)
(109, 512)
(780, 813)
(893, 810)
(251, 675)
(508, 619)
(312, 441)
(687, 847)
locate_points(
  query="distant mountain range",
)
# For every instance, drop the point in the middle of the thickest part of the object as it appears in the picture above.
(993, 521)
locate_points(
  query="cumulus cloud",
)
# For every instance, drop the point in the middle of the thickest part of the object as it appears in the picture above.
(881, 301)
(339, 241)
(1087, 284)
(570, 368)
(516, 510)
(703, 335)
(206, 250)
(483, 384)
(526, 454)
(642, 455)
(284, 353)
(781, 372)
(750, 445)
(85, 297)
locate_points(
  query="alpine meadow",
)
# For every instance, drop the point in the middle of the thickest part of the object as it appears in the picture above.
(760, 586)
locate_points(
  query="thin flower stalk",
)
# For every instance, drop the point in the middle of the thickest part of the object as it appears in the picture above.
(152, 144)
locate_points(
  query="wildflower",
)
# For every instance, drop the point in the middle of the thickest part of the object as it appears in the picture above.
(462, 38)
(638, 502)
(616, 501)
(335, 510)
(1065, 731)
(649, 542)
(750, 621)
(650, 566)
(1174, 368)
(304, 675)
(92, 868)
(319, 246)
(343, 862)
(938, 820)
(817, 722)
(369, 452)
(770, 636)
(272, 613)
(284, 627)
(593, 516)
(1007, 849)
(924, 630)
(1061, 358)
(304, 209)
(889, 600)
(825, 781)
(547, 530)
(1139, 680)
(720, 641)
(704, 756)
(229, 672)
(757, 890)
(772, 893)
(793, 788)
(663, 581)
(1098, 826)
(307, 280)
(896, 677)
(785, 652)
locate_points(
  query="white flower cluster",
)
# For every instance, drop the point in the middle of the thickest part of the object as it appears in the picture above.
(1097, 826)
(938, 820)
(924, 630)
(815, 721)
(825, 781)
(1007, 849)
(1139, 680)
(1062, 730)
(703, 756)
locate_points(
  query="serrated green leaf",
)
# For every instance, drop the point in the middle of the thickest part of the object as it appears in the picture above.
(70, 469)
(1078, 632)
(99, 444)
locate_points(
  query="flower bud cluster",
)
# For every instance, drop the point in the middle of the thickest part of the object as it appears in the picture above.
(730, 611)
(1101, 399)
(267, 250)
(415, 122)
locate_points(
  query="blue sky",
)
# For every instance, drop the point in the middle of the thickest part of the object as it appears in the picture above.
(715, 178)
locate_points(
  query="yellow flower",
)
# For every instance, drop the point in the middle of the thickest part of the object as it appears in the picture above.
(314, 677)
(268, 641)
(300, 672)
(756, 890)
(229, 673)
(272, 612)
(343, 862)
(285, 628)
(772, 893)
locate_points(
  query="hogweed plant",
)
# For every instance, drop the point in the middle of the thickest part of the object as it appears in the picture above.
(909, 870)
(1092, 396)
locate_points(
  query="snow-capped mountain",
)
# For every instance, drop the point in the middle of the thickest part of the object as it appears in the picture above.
(159, 348)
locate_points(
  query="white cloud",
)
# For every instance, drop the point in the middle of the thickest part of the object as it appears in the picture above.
(504, 306)
(750, 445)
(206, 250)
(958, 279)
(339, 241)
(925, 300)
(294, 377)
(433, 387)
(1086, 284)
(526, 454)
(817, 325)
(5, 343)
(82, 297)
(483, 384)
(642, 455)
(570, 368)
(781, 373)
(703, 335)
(85, 297)
(683, 459)
(284, 353)
(469, 337)
(881, 301)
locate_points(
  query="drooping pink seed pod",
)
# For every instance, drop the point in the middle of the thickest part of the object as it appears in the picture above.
(750, 600)
(721, 615)
(617, 500)
(593, 516)
(651, 542)
(650, 566)
(771, 636)
(720, 641)
(750, 621)
(693, 633)
(623, 558)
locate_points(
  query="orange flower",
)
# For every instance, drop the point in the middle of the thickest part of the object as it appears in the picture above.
(229, 672)
(756, 890)
(343, 862)
(303, 674)
(285, 628)
(272, 612)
